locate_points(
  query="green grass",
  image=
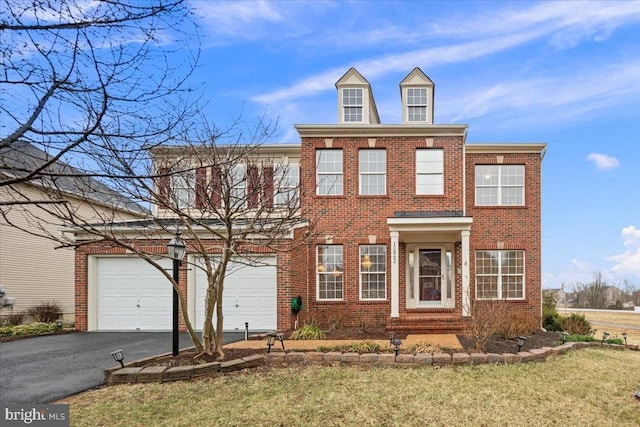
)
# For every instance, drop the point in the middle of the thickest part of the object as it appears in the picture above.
(590, 387)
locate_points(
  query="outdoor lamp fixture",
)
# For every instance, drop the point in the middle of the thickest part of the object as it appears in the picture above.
(564, 337)
(118, 357)
(624, 335)
(605, 335)
(176, 250)
(396, 342)
(520, 341)
(271, 339)
(58, 324)
(366, 262)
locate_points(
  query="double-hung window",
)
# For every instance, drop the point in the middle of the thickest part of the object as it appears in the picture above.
(238, 181)
(329, 172)
(329, 272)
(183, 191)
(416, 104)
(287, 181)
(500, 274)
(373, 172)
(499, 185)
(352, 104)
(373, 272)
(430, 171)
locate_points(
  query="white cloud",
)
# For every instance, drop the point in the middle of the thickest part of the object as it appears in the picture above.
(603, 161)
(578, 271)
(628, 262)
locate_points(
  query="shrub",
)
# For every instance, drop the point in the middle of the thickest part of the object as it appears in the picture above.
(551, 320)
(46, 312)
(485, 316)
(423, 347)
(309, 331)
(25, 330)
(576, 324)
(355, 347)
(591, 338)
(12, 319)
(513, 325)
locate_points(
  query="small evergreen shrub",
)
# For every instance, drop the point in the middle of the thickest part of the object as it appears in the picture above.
(25, 330)
(551, 320)
(46, 312)
(576, 324)
(309, 331)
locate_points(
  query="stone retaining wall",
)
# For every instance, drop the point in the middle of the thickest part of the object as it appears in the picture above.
(138, 374)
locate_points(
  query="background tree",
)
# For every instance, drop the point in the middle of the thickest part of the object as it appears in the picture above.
(80, 77)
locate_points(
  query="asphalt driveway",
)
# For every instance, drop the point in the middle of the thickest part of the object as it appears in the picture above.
(45, 369)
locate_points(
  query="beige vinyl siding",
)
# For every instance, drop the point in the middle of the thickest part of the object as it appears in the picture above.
(31, 268)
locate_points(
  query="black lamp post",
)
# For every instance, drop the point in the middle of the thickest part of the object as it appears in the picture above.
(396, 343)
(605, 335)
(176, 249)
(520, 342)
(624, 335)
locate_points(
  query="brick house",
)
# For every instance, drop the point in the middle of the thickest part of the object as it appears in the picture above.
(411, 223)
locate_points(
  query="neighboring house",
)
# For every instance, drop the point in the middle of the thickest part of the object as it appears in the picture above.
(32, 268)
(411, 226)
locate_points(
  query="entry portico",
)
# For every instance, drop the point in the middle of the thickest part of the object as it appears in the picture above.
(430, 242)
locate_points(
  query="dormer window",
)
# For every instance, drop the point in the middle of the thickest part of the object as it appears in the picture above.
(352, 105)
(355, 100)
(417, 104)
(416, 91)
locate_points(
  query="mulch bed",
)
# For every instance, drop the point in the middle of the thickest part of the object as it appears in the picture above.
(494, 345)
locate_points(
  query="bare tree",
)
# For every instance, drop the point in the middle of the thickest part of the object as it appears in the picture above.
(234, 204)
(592, 294)
(78, 77)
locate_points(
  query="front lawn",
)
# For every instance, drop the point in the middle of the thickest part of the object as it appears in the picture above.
(590, 387)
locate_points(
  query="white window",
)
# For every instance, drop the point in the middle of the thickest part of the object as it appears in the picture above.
(183, 191)
(329, 172)
(416, 104)
(429, 171)
(287, 180)
(500, 274)
(352, 104)
(373, 172)
(373, 272)
(238, 191)
(499, 185)
(329, 273)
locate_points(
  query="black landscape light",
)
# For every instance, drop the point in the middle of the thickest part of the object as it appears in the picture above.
(396, 342)
(118, 357)
(605, 335)
(271, 338)
(520, 341)
(58, 324)
(176, 250)
(564, 336)
(624, 335)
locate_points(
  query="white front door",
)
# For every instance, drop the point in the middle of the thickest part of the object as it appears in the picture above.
(431, 279)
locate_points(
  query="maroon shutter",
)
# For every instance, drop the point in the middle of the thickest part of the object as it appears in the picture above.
(201, 188)
(216, 187)
(253, 187)
(163, 186)
(267, 186)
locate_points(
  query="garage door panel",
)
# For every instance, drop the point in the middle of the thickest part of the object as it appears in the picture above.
(249, 296)
(132, 295)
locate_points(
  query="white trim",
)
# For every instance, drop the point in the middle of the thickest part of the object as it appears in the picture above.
(371, 130)
(466, 293)
(395, 274)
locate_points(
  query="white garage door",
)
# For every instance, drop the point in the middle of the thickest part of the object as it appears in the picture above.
(133, 295)
(249, 296)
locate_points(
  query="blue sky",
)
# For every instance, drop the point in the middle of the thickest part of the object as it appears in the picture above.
(564, 73)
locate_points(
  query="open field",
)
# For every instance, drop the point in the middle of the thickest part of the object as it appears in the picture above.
(614, 322)
(564, 390)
